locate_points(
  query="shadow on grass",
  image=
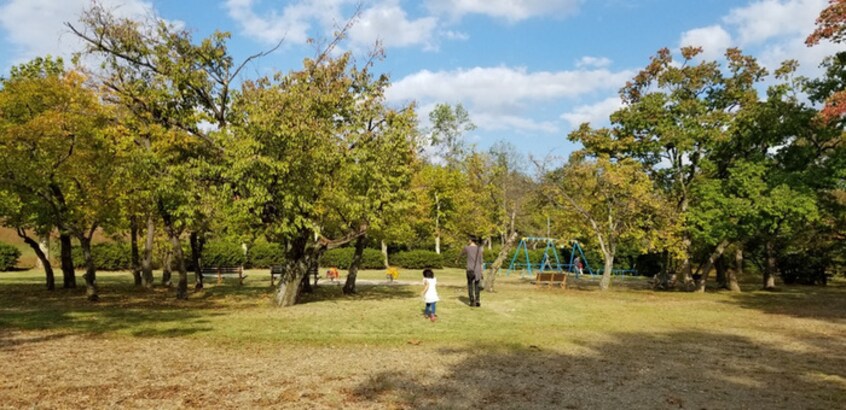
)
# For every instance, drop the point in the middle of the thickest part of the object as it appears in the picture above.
(139, 312)
(816, 302)
(363, 292)
(639, 370)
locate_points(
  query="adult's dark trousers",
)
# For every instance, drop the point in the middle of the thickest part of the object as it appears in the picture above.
(473, 291)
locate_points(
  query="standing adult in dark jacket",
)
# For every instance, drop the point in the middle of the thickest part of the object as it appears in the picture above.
(475, 258)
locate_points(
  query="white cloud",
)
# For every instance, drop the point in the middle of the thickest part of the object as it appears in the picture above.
(292, 25)
(771, 30)
(596, 114)
(593, 62)
(510, 10)
(500, 98)
(36, 27)
(296, 22)
(767, 19)
(388, 22)
(455, 35)
(714, 41)
(490, 122)
(503, 88)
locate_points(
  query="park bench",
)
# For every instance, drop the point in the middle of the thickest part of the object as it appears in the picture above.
(551, 278)
(221, 271)
(275, 270)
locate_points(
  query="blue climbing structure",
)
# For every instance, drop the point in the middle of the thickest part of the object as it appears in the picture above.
(551, 260)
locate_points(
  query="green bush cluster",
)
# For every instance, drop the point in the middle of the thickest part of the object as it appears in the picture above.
(452, 258)
(263, 255)
(805, 269)
(8, 256)
(221, 253)
(107, 256)
(342, 258)
(417, 259)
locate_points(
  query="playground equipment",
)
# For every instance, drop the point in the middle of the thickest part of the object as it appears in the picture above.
(551, 259)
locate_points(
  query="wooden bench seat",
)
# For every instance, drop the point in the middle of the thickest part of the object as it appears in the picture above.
(551, 278)
(276, 270)
(221, 271)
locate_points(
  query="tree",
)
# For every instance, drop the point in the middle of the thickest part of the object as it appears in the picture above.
(316, 160)
(615, 197)
(171, 85)
(447, 131)
(60, 152)
(438, 192)
(674, 115)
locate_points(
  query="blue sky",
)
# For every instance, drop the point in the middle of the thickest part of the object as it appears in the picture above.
(528, 71)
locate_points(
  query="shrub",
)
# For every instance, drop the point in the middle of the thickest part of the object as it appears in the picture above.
(452, 258)
(107, 256)
(342, 258)
(8, 256)
(418, 259)
(805, 269)
(264, 255)
(220, 253)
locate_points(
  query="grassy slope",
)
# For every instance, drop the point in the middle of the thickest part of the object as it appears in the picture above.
(776, 349)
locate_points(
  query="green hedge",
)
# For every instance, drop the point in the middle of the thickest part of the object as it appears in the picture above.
(263, 255)
(417, 259)
(220, 253)
(8, 256)
(342, 258)
(453, 258)
(107, 256)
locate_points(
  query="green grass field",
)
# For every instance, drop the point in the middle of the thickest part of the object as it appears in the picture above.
(526, 347)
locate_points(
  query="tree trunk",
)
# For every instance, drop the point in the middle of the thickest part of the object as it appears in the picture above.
(293, 271)
(44, 246)
(770, 270)
(686, 278)
(167, 263)
(313, 264)
(605, 282)
(90, 269)
(722, 277)
(42, 258)
(437, 225)
(179, 258)
(147, 260)
(500, 259)
(196, 259)
(135, 259)
(734, 276)
(385, 254)
(68, 274)
(664, 277)
(703, 278)
(349, 286)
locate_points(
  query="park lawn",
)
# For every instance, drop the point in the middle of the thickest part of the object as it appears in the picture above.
(526, 347)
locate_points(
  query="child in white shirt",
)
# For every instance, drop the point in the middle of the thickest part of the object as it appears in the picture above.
(430, 294)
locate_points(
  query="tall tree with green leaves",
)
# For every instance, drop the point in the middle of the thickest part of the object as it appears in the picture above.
(172, 85)
(673, 115)
(316, 159)
(446, 135)
(615, 198)
(60, 151)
